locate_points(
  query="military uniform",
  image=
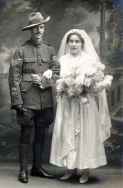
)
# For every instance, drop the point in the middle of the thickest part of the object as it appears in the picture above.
(33, 58)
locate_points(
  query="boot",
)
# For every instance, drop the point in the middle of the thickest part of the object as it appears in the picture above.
(23, 156)
(85, 176)
(69, 174)
(37, 170)
(23, 176)
(37, 154)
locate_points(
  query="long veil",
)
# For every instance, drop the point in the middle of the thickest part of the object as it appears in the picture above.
(104, 116)
(88, 47)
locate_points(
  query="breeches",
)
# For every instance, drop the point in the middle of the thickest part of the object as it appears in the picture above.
(39, 119)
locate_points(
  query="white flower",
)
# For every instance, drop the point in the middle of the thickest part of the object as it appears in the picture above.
(91, 71)
(79, 80)
(84, 100)
(108, 80)
(109, 77)
(87, 79)
(88, 82)
(78, 71)
(105, 83)
(60, 85)
(69, 81)
(98, 76)
(71, 91)
(101, 66)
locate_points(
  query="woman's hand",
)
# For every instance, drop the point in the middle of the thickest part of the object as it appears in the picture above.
(48, 74)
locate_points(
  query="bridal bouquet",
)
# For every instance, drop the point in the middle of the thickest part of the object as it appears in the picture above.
(83, 80)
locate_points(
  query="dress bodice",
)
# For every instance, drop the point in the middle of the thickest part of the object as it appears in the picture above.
(68, 62)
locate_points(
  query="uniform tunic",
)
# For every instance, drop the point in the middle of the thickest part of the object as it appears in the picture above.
(32, 58)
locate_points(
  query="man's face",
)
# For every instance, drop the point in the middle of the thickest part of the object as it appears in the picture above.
(37, 32)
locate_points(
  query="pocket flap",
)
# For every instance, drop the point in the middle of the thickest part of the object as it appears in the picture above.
(45, 59)
(24, 86)
(31, 60)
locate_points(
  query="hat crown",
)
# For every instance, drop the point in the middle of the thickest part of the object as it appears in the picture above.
(35, 16)
(35, 19)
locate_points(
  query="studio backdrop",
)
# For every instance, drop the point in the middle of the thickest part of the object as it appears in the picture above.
(102, 20)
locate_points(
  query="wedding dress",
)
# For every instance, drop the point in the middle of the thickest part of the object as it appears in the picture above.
(80, 129)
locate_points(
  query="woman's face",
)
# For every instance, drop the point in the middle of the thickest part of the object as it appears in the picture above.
(75, 44)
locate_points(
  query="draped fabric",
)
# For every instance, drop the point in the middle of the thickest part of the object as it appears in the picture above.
(88, 47)
(79, 129)
(105, 122)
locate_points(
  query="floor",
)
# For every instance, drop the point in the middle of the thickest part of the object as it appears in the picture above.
(99, 178)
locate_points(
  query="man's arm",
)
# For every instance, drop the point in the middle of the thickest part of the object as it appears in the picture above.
(55, 67)
(15, 77)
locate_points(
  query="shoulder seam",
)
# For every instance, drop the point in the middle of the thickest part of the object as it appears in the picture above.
(46, 43)
(24, 43)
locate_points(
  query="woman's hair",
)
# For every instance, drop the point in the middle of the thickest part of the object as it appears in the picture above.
(80, 37)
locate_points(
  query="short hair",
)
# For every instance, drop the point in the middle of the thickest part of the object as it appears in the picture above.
(80, 37)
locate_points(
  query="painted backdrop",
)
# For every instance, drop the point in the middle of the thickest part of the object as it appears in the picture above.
(102, 20)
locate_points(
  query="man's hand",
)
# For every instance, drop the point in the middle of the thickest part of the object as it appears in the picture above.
(19, 108)
(48, 74)
(36, 78)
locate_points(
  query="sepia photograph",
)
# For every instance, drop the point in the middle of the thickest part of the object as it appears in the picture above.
(61, 93)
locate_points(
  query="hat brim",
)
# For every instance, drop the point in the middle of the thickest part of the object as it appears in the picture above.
(32, 25)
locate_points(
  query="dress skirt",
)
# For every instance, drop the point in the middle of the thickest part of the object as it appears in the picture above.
(76, 136)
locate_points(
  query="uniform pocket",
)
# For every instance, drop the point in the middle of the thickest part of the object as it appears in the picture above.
(24, 86)
(45, 59)
(45, 63)
(29, 65)
(29, 60)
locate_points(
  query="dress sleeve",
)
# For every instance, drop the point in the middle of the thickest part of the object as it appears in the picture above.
(61, 67)
(101, 100)
(105, 122)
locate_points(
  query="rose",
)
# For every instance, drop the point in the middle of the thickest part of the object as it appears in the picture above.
(91, 71)
(88, 82)
(79, 80)
(60, 85)
(69, 81)
(84, 100)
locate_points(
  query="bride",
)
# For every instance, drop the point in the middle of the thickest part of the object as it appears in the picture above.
(82, 124)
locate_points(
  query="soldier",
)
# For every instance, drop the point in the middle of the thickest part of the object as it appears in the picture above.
(33, 70)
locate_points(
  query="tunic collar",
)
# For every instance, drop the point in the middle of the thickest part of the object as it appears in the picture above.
(35, 43)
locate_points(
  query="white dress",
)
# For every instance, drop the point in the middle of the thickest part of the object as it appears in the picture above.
(77, 137)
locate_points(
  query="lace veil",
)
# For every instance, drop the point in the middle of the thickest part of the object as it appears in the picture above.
(104, 116)
(88, 47)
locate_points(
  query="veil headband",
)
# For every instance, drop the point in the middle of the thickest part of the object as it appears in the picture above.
(88, 46)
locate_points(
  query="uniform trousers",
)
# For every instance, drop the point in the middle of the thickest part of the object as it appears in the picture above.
(39, 120)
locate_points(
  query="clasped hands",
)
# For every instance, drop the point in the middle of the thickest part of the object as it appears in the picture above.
(37, 79)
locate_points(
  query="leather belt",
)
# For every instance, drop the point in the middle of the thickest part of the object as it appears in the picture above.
(26, 77)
